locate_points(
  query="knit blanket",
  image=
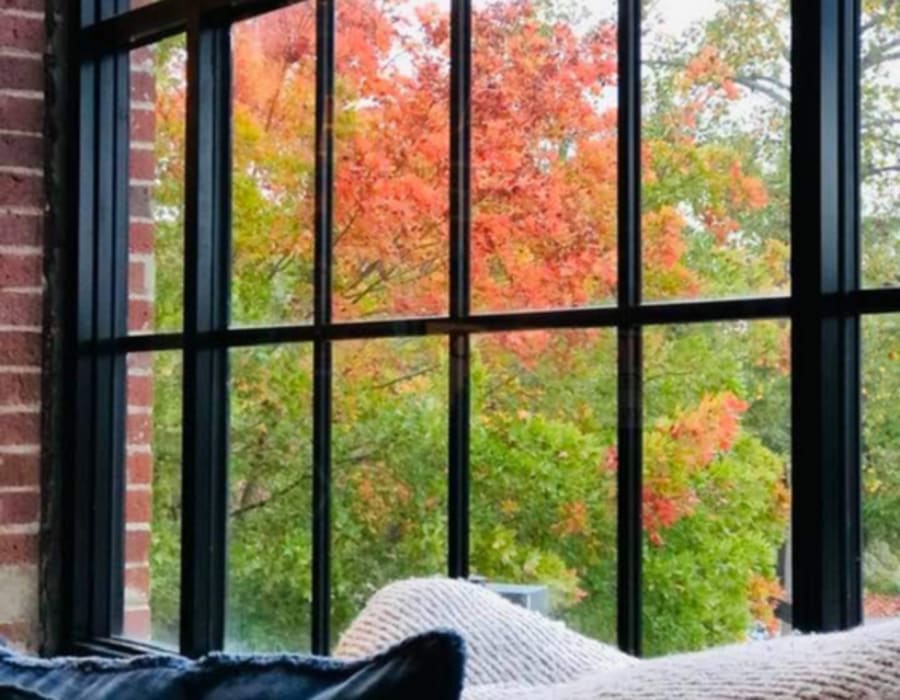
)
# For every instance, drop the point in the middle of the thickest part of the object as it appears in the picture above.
(516, 654)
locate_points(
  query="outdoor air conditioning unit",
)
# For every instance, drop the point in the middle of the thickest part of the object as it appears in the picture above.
(530, 596)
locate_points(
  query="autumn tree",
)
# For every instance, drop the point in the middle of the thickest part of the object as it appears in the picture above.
(543, 458)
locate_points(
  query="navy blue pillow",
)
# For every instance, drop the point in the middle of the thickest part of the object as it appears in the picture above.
(15, 692)
(426, 666)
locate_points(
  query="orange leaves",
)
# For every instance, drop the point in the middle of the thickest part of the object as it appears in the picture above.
(543, 161)
(746, 191)
(707, 67)
(662, 231)
(544, 149)
(574, 519)
(763, 595)
(660, 512)
(678, 451)
(381, 495)
(709, 429)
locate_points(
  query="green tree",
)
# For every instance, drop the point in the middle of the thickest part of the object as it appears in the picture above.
(715, 222)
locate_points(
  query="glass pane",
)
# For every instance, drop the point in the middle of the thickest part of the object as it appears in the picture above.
(153, 498)
(716, 497)
(270, 482)
(273, 184)
(543, 154)
(879, 167)
(392, 158)
(156, 163)
(880, 474)
(543, 467)
(716, 166)
(389, 468)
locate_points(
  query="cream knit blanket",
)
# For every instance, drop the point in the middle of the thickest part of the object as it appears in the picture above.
(515, 654)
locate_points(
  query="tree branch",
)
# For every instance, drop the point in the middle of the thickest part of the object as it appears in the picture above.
(405, 377)
(243, 510)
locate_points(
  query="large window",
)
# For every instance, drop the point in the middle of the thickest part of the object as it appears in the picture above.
(584, 295)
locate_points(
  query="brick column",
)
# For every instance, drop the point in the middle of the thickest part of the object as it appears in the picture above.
(22, 203)
(139, 455)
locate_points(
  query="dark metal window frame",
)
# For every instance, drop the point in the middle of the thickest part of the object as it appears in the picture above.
(824, 306)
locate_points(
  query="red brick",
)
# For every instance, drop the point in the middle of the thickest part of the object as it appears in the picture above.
(140, 315)
(139, 201)
(140, 390)
(139, 466)
(140, 428)
(33, 5)
(138, 578)
(18, 549)
(140, 362)
(21, 229)
(136, 624)
(21, 150)
(20, 270)
(16, 389)
(20, 348)
(143, 126)
(18, 633)
(137, 277)
(142, 55)
(21, 113)
(17, 73)
(18, 309)
(143, 85)
(23, 33)
(19, 508)
(21, 190)
(138, 506)
(141, 237)
(20, 428)
(142, 164)
(137, 546)
(20, 470)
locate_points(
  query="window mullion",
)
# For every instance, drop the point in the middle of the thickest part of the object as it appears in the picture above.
(322, 361)
(99, 427)
(207, 253)
(825, 344)
(630, 355)
(460, 282)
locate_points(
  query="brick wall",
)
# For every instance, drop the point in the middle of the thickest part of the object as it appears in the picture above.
(139, 440)
(22, 206)
(22, 223)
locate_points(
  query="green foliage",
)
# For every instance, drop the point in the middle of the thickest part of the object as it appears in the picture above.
(543, 428)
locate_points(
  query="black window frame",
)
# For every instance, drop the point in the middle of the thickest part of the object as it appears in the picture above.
(824, 307)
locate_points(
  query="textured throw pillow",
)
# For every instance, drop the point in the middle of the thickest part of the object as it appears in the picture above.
(505, 643)
(862, 664)
(427, 666)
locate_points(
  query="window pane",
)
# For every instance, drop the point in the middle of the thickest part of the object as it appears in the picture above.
(270, 482)
(716, 499)
(389, 468)
(392, 158)
(543, 467)
(879, 167)
(273, 185)
(156, 163)
(716, 166)
(881, 475)
(153, 498)
(543, 154)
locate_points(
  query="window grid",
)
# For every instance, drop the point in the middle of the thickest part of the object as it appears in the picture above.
(824, 308)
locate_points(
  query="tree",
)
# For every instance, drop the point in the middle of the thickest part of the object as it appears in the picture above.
(543, 431)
